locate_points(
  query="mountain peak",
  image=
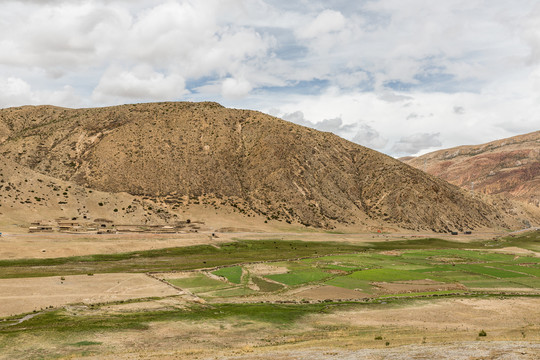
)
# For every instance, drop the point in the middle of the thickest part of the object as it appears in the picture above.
(243, 160)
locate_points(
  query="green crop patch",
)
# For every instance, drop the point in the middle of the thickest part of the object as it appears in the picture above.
(457, 255)
(438, 268)
(387, 275)
(531, 282)
(457, 276)
(199, 283)
(534, 271)
(526, 260)
(233, 273)
(338, 267)
(173, 259)
(61, 321)
(232, 292)
(494, 284)
(349, 282)
(266, 286)
(490, 271)
(298, 277)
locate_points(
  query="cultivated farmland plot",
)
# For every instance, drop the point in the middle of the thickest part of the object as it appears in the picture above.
(224, 301)
(405, 273)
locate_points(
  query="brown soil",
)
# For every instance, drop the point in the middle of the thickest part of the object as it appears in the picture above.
(327, 292)
(25, 295)
(400, 287)
(502, 350)
(457, 314)
(17, 246)
(266, 269)
(424, 329)
(176, 302)
(517, 251)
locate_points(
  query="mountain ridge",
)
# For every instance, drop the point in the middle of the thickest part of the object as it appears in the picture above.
(509, 167)
(203, 153)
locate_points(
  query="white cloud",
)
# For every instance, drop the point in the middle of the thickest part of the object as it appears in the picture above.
(15, 92)
(235, 88)
(415, 143)
(334, 125)
(326, 22)
(140, 83)
(14, 87)
(369, 137)
(376, 72)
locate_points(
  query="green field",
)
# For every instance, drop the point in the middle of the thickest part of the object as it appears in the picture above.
(199, 283)
(387, 274)
(266, 286)
(348, 282)
(233, 273)
(251, 298)
(362, 271)
(311, 263)
(233, 253)
(300, 276)
(173, 259)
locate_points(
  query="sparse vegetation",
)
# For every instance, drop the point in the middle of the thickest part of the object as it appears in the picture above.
(182, 258)
(387, 190)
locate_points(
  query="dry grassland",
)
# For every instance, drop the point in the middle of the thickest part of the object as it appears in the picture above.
(54, 245)
(25, 295)
(423, 329)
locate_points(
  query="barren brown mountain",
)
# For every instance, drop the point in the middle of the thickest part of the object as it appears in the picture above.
(26, 196)
(258, 165)
(508, 166)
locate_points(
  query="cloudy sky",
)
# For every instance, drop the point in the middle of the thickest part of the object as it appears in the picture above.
(400, 76)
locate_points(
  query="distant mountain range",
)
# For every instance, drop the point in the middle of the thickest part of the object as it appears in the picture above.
(179, 155)
(510, 167)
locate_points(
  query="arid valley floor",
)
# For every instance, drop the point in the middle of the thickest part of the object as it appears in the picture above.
(270, 296)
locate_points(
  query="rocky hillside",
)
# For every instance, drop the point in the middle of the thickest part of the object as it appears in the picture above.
(26, 196)
(202, 153)
(508, 166)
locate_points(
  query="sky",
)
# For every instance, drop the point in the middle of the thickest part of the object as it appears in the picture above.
(404, 77)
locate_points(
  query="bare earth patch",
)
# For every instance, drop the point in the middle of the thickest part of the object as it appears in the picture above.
(328, 292)
(177, 275)
(424, 329)
(455, 351)
(25, 295)
(465, 314)
(517, 251)
(177, 302)
(411, 286)
(21, 246)
(266, 269)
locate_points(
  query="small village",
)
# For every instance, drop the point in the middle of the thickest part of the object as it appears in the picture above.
(106, 226)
